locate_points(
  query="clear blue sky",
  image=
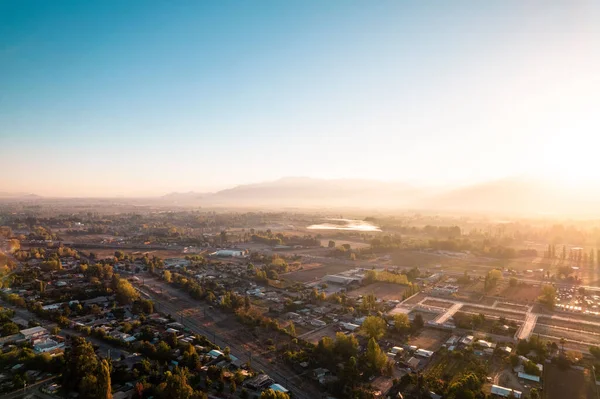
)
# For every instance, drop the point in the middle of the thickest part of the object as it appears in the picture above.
(147, 97)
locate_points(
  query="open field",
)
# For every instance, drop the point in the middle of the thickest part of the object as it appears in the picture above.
(438, 303)
(385, 291)
(511, 306)
(522, 293)
(573, 325)
(570, 335)
(493, 312)
(571, 384)
(430, 339)
(317, 333)
(317, 272)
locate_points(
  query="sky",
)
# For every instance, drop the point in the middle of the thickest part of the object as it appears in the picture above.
(135, 98)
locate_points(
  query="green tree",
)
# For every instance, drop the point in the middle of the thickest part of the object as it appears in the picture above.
(374, 327)
(271, 394)
(331, 244)
(9, 328)
(418, 322)
(177, 386)
(103, 387)
(548, 296)
(292, 329)
(126, 294)
(401, 323)
(80, 361)
(167, 276)
(376, 358)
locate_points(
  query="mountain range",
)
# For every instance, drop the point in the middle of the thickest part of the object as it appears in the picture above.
(518, 196)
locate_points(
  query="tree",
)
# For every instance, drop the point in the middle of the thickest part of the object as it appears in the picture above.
(491, 279)
(55, 330)
(271, 394)
(548, 296)
(401, 323)
(9, 328)
(126, 294)
(292, 329)
(418, 321)
(374, 327)
(375, 357)
(167, 276)
(177, 386)
(331, 244)
(595, 351)
(80, 361)
(103, 387)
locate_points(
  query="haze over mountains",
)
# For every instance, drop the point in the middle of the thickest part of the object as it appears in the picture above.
(517, 196)
(522, 196)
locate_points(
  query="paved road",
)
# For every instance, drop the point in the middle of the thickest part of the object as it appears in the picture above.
(27, 392)
(223, 338)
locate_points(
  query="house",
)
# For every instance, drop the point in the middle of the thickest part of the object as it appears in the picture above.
(396, 349)
(215, 353)
(259, 383)
(529, 377)
(468, 340)
(320, 373)
(47, 345)
(485, 344)
(278, 388)
(504, 392)
(33, 333)
(413, 363)
(349, 326)
(318, 323)
(342, 280)
(423, 353)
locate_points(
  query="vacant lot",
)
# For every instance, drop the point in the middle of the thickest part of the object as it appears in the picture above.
(556, 333)
(571, 384)
(386, 291)
(430, 339)
(438, 303)
(511, 306)
(494, 312)
(316, 272)
(522, 293)
(316, 334)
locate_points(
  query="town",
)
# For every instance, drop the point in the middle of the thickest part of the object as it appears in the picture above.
(186, 304)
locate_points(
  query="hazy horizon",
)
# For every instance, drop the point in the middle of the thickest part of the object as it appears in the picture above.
(147, 98)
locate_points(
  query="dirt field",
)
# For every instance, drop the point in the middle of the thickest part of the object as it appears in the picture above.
(430, 339)
(511, 306)
(316, 272)
(386, 291)
(522, 293)
(316, 334)
(570, 335)
(438, 303)
(493, 312)
(571, 384)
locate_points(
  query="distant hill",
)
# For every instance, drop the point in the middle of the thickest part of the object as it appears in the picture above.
(19, 195)
(516, 196)
(308, 192)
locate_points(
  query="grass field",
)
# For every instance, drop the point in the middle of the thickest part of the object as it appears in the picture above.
(385, 291)
(571, 384)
